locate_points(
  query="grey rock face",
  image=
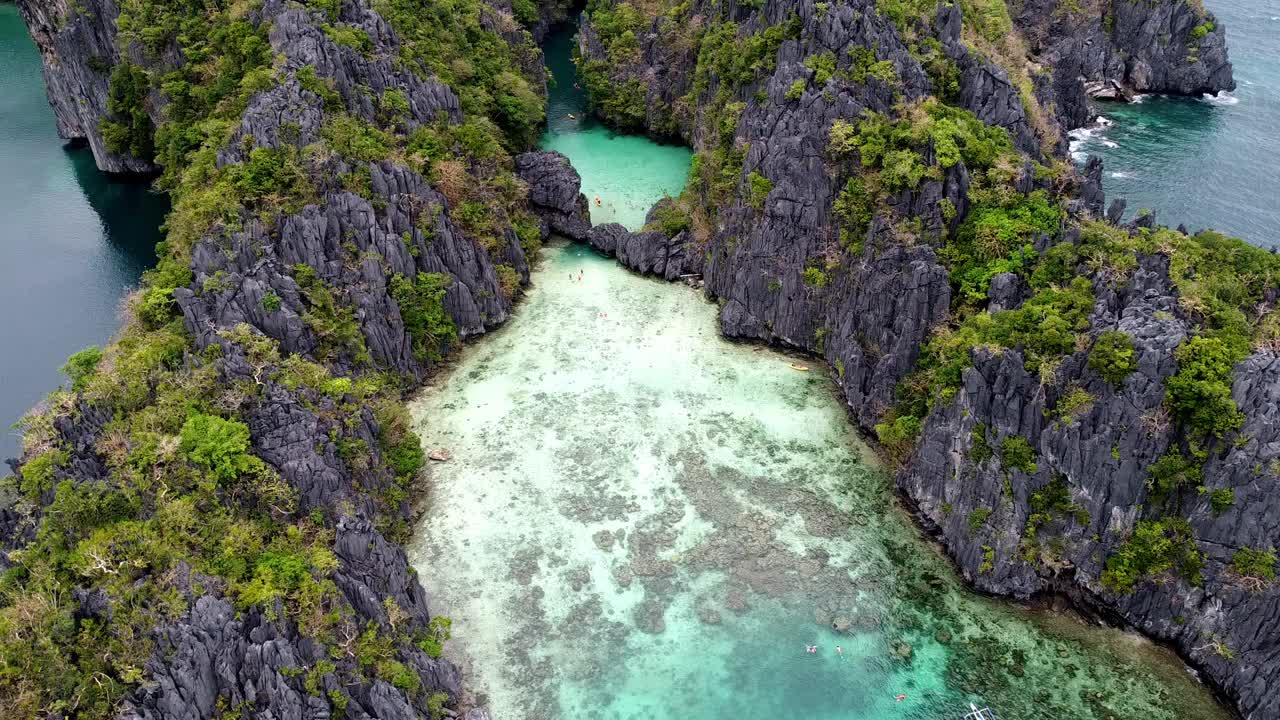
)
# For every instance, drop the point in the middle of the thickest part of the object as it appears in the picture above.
(873, 308)
(355, 248)
(782, 278)
(647, 252)
(1132, 47)
(555, 193)
(358, 79)
(1102, 453)
(247, 279)
(77, 42)
(985, 89)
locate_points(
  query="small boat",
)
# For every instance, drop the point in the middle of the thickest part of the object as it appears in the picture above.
(572, 116)
(801, 368)
(980, 714)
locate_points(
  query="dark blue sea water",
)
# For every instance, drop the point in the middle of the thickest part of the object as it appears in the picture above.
(1207, 162)
(71, 239)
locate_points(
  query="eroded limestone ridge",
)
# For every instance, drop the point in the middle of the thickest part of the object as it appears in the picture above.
(1075, 406)
(207, 523)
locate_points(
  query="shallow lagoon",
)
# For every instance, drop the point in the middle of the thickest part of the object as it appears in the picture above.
(645, 521)
(642, 520)
(627, 173)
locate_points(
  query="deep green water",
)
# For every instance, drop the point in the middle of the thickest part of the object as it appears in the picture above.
(71, 240)
(644, 521)
(1208, 162)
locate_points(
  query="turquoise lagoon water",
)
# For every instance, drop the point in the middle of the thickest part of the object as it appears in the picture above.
(1208, 162)
(627, 173)
(642, 520)
(72, 242)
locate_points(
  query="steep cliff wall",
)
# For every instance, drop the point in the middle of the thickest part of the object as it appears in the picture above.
(206, 523)
(1120, 47)
(78, 43)
(1074, 407)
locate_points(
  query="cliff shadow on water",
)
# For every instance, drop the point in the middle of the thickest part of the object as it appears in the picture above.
(73, 241)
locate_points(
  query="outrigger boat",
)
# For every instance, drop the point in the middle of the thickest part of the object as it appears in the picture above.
(983, 714)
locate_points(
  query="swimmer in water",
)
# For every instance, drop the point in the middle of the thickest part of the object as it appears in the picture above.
(839, 650)
(900, 697)
(597, 201)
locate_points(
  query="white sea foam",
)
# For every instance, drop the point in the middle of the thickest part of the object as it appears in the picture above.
(1084, 133)
(1083, 137)
(1118, 174)
(1223, 98)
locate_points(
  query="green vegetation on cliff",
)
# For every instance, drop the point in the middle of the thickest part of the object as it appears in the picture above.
(1010, 222)
(182, 492)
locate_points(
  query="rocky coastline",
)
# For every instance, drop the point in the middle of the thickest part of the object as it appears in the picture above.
(318, 266)
(1041, 473)
(346, 215)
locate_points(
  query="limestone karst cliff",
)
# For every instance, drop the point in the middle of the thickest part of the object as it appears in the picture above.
(206, 522)
(1074, 407)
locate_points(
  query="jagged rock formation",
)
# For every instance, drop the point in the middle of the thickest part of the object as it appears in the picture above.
(1115, 48)
(1105, 453)
(217, 657)
(874, 318)
(78, 43)
(258, 261)
(555, 193)
(347, 218)
(340, 222)
(1041, 472)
